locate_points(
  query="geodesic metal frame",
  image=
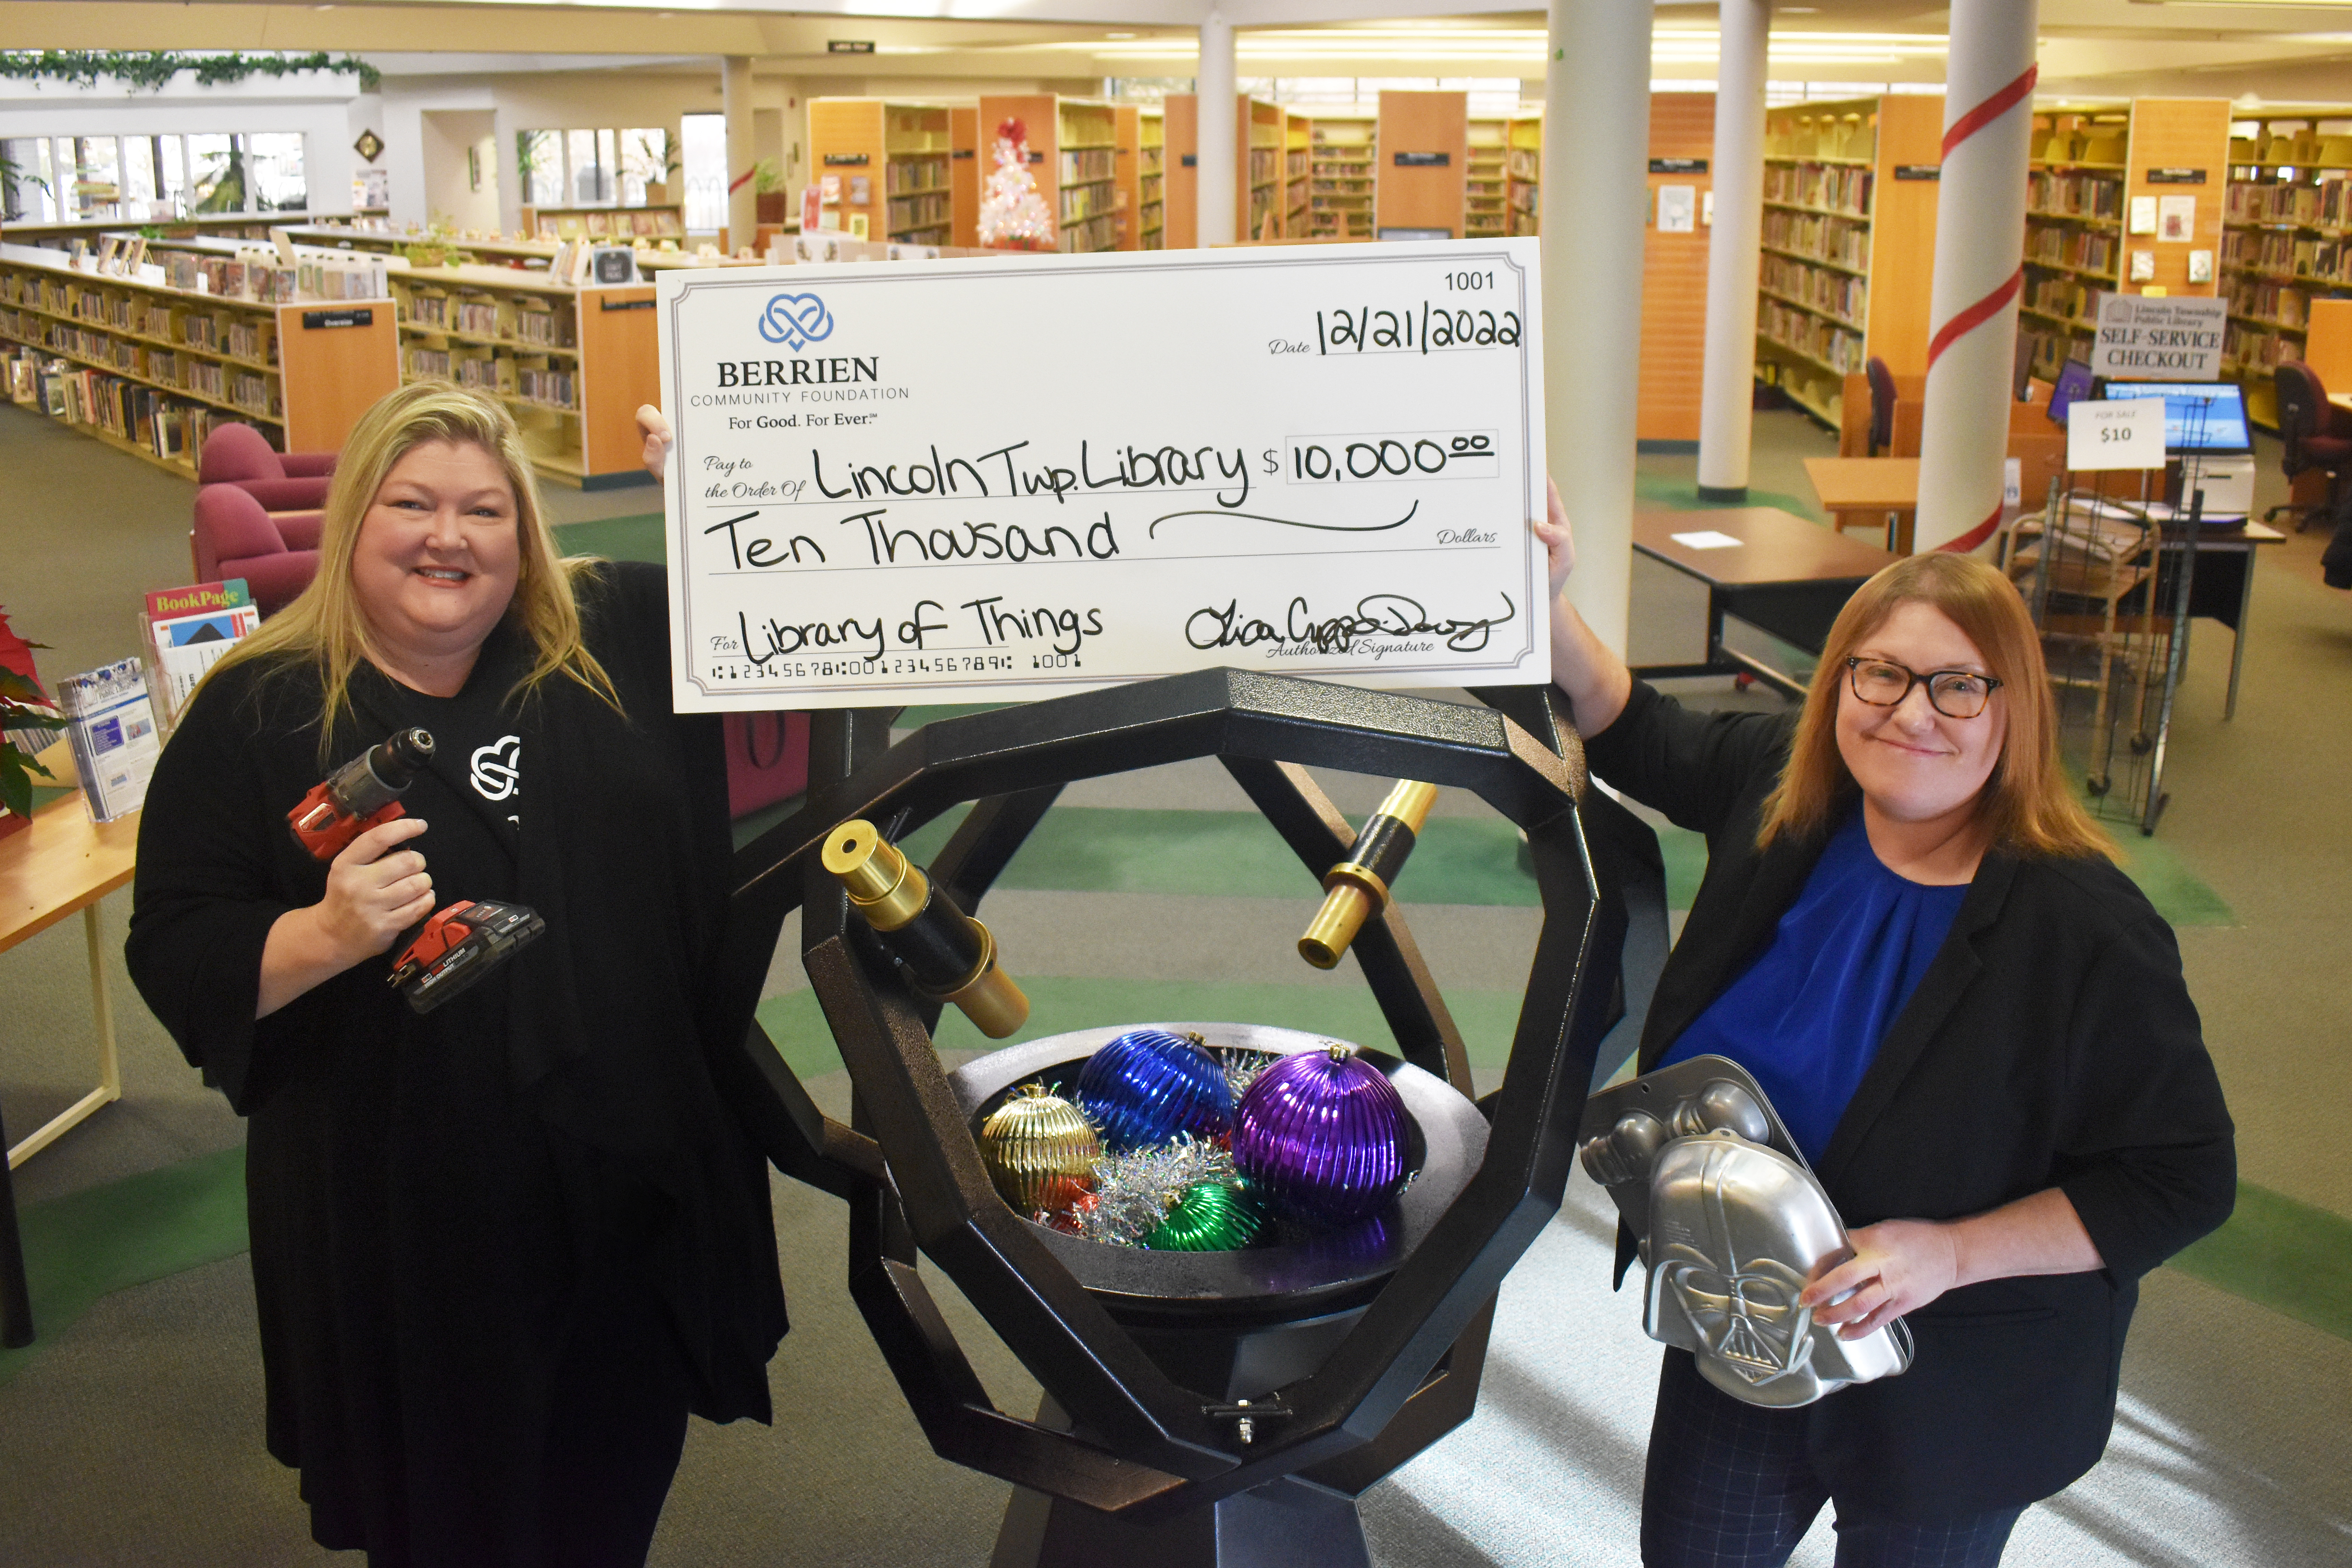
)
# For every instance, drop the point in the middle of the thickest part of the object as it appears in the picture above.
(1142, 1447)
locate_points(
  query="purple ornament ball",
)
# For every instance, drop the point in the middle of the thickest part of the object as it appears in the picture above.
(1148, 1085)
(1322, 1135)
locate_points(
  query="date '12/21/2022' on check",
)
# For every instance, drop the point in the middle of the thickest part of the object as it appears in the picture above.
(1003, 479)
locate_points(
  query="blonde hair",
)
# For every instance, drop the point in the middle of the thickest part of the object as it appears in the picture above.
(2026, 801)
(325, 626)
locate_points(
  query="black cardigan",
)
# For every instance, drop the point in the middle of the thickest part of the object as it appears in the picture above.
(2050, 1043)
(434, 1199)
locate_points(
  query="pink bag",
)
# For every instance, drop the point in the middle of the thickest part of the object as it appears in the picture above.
(767, 759)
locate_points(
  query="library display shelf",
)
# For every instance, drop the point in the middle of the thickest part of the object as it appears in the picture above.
(1258, 169)
(884, 168)
(655, 222)
(1849, 242)
(1298, 160)
(2095, 186)
(1339, 176)
(1523, 172)
(1140, 165)
(152, 369)
(1262, 150)
(1487, 198)
(572, 363)
(2286, 238)
(519, 255)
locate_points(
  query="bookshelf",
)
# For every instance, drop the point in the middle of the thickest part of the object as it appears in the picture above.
(1142, 178)
(1523, 172)
(1074, 154)
(966, 170)
(223, 226)
(1298, 161)
(1849, 246)
(1486, 198)
(620, 225)
(2090, 169)
(571, 363)
(885, 168)
(165, 365)
(1257, 168)
(1339, 194)
(1424, 162)
(2286, 239)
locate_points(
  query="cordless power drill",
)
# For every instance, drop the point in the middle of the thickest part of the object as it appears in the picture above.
(456, 945)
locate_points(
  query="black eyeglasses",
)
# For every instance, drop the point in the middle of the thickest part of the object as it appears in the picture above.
(1954, 693)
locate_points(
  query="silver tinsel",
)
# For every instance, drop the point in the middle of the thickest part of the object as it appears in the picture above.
(1241, 1066)
(1134, 1189)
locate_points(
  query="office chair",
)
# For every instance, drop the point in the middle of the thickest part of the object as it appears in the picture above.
(2316, 436)
(1882, 405)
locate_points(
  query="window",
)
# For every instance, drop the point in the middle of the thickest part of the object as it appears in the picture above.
(644, 160)
(590, 167)
(704, 139)
(142, 179)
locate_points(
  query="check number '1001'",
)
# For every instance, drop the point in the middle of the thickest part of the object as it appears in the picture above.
(1437, 454)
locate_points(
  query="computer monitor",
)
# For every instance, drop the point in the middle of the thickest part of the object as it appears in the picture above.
(2073, 383)
(2198, 416)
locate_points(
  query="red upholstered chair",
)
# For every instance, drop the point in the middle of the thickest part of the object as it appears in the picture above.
(2315, 436)
(289, 481)
(234, 537)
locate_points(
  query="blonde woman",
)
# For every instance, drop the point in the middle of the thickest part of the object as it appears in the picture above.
(501, 1249)
(1977, 1030)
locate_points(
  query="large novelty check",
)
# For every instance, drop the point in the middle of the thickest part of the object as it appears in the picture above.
(1003, 479)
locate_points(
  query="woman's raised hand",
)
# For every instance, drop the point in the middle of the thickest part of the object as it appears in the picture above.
(1559, 538)
(654, 426)
(375, 890)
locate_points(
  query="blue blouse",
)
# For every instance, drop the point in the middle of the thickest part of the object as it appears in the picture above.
(1807, 1016)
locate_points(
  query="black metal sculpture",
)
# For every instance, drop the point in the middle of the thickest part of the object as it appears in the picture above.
(1143, 1455)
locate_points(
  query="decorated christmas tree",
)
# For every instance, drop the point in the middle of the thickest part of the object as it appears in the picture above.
(1013, 214)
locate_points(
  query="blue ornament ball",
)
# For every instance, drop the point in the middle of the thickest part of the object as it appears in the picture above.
(1147, 1086)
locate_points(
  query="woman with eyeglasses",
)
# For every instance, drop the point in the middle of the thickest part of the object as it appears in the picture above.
(1976, 1030)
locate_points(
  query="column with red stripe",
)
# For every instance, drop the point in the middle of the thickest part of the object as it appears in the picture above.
(1980, 236)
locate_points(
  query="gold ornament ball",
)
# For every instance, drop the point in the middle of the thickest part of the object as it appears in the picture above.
(1040, 1151)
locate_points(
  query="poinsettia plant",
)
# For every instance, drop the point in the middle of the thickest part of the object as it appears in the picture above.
(23, 708)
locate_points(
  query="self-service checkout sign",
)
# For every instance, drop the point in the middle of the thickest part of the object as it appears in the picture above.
(2126, 434)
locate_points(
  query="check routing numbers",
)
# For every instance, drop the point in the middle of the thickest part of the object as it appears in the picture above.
(993, 480)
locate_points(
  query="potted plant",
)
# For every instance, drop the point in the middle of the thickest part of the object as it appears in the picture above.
(768, 191)
(26, 715)
(659, 151)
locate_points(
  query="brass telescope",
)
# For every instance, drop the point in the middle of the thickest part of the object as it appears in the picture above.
(1356, 888)
(947, 956)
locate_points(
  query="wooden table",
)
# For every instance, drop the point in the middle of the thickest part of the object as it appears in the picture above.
(62, 864)
(1786, 575)
(1881, 492)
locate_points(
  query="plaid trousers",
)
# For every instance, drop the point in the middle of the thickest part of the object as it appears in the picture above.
(1728, 1485)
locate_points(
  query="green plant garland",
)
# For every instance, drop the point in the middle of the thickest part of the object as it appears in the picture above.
(154, 69)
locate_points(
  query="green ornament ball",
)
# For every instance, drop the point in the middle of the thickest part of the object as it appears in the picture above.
(1207, 1216)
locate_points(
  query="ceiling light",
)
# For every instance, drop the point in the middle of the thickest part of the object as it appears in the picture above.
(1119, 35)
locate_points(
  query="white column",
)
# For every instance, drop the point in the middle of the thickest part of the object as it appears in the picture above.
(1728, 379)
(1595, 193)
(743, 205)
(1972, 311)
(1216, 152)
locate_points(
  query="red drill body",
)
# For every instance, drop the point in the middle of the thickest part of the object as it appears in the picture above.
(364, 793)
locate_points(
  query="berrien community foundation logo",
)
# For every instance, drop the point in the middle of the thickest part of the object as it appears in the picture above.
(796, 320)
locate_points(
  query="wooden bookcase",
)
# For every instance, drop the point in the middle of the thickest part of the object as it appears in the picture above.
(1074, 154)
(1340, 200)
(886, 168)
(967, 173)
(1297, 161)
(2089, 169)
(1673, 274)
(1257, 168)
(173, 362)
(1142, 177)
(2286, 239)
(1424, 162)
(650, 222)
(1523, 172)
(571, 363)
(1487, 196)
(1849, 248)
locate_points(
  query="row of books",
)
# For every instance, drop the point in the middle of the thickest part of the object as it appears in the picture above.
(2062, 296)
(1840, 241)
(649, 223)
(526, 319)
(246, 336)
(1815, 337)
(2278, 304)
(2084, 249)
(1087, 163)
(2249, 346)
(1087, 234)
(902, 175)
(2287, 255)
(1836, 187)
(554, 386)
(2323, 206)
(1085, 201)
(1838, 294)
(254, 392)
(174, 428)
(2073, 193)
(919, 211)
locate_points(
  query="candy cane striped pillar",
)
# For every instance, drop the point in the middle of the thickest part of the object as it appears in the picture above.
(1595, 191)
(1972, 311)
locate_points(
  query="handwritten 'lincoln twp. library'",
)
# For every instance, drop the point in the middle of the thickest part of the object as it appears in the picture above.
(1175, 784)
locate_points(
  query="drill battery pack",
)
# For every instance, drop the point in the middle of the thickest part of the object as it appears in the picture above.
(458, 946)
